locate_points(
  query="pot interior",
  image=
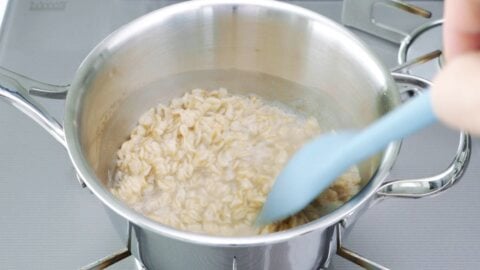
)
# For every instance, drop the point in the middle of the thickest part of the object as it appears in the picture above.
(282, 53)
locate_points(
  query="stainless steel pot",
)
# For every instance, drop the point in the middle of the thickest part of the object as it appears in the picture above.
(276, 50)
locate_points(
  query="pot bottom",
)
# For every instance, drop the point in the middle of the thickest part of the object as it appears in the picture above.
(137, 265)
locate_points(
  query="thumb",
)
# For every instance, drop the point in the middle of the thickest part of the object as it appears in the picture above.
(456, 93)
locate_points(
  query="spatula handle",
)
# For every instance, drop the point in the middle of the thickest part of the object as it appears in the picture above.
(407, 119)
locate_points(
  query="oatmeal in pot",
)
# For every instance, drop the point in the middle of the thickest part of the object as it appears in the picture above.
(206, 162)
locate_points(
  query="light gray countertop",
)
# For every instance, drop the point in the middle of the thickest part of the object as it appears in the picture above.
(47, 221)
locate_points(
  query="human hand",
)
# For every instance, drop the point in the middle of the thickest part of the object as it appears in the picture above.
(456, 90)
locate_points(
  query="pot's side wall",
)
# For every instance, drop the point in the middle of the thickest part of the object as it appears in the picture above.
(306, 252)
(120, 224)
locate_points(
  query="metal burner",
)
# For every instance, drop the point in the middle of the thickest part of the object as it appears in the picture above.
(423, 41)
(360, 15)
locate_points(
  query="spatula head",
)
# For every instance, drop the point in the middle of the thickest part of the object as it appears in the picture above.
(310, 171)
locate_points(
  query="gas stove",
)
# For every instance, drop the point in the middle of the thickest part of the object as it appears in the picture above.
(48, 221)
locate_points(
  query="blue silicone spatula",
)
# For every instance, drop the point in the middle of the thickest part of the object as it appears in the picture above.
(319, 162)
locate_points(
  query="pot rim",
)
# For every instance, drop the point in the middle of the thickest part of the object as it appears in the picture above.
(72, 125)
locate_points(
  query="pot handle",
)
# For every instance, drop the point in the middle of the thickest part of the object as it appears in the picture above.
(428, 186)
(16, 89)
(412, 188)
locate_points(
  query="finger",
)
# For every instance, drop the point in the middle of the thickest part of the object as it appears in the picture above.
(461, 27)
(456, 95)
